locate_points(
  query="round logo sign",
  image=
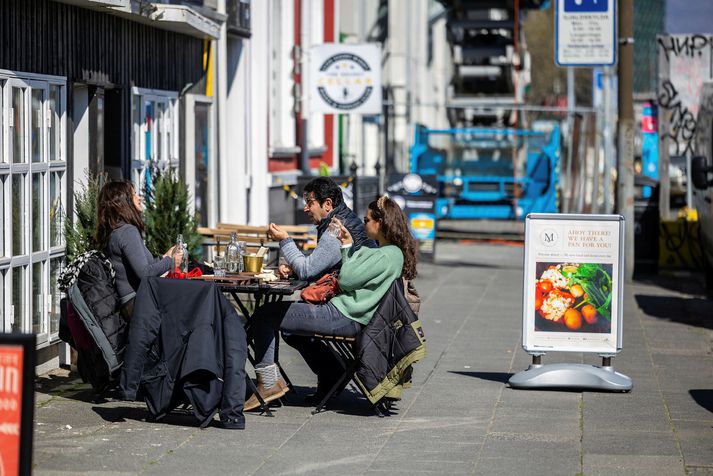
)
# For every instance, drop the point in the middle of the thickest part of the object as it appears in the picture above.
(549, 237)
(412, 183)
(345, 81)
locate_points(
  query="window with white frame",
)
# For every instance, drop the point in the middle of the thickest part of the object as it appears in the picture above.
(281, 82)
(32, 187)
(155, 134)
(200, 169)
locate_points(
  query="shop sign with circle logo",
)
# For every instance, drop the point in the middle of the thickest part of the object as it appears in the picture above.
(345, 79)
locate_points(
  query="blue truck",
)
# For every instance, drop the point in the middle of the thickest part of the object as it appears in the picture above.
(490, 173)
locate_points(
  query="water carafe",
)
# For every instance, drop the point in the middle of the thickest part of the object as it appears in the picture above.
(232, 254)
(181, 245)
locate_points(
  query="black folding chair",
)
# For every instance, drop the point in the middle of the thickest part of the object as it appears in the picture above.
(344, 350)
(394, 313)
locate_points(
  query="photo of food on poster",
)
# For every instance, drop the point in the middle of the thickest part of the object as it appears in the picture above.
(572, 283)
(573, 297)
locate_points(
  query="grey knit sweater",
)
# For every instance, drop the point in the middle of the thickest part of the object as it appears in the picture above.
(325, 256)
(132, 261)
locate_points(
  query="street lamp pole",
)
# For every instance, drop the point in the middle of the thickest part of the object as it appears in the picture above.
(625, 165)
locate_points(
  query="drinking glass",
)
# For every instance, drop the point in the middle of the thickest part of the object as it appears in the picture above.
(219, 266)
(334, 228)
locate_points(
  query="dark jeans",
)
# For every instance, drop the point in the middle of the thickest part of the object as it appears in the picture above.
(127, 309)
(299, 319)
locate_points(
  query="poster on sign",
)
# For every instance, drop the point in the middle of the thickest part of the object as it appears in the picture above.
(573, 283)
(17, 364)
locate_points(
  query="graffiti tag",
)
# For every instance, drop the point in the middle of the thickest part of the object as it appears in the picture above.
(682, 123)
(685, 62)
(690, 46)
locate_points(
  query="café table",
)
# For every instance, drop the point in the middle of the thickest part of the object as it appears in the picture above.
(241, 285)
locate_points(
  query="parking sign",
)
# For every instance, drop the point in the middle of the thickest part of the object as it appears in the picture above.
(585, 32)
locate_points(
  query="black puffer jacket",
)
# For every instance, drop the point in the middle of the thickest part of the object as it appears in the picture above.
(351, 222)
(97, 288)
(96, 306)
(387, 347)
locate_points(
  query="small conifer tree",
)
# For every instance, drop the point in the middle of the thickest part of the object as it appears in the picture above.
(79, 233)
(167, 213)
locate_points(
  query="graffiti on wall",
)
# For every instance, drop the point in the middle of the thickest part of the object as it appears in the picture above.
(684, 65)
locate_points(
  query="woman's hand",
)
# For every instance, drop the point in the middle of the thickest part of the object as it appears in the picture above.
(177, 257)
(344, 236)
(277, 233)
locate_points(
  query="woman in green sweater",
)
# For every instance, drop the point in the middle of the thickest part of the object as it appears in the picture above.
(364, 279)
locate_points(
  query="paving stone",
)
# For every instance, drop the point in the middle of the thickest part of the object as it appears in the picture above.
(628, 442)
(696, 439)
(637, 465)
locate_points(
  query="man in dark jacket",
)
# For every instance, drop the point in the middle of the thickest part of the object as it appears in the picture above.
(323, 201)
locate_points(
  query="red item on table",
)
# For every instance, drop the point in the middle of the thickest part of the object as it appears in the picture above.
(177, 274)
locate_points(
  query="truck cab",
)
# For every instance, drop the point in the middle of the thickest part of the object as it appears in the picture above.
(701, 176)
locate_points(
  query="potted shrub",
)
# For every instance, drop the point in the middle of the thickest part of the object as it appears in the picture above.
(167, 213)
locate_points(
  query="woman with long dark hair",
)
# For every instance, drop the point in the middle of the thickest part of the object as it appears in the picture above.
(120, 230)
(364, 279)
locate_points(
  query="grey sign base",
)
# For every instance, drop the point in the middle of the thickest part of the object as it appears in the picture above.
(575, 376)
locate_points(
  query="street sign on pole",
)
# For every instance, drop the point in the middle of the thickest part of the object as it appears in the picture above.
(585, 32)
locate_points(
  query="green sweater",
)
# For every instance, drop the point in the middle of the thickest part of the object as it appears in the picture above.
(365, 277)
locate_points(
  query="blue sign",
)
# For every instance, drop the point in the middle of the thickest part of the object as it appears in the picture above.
(586, 6)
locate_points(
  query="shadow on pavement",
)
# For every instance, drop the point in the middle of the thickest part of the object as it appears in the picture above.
(703, 397)
(178, 417)
(463, 264)
(501, 377)
(692, 311)
(353, 403)
(69, 385)
(685, 282)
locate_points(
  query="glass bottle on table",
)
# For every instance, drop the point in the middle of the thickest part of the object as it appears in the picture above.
(181, 245)
(232, 254)
(241, 253)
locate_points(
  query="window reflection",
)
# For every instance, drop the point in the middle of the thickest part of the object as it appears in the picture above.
(54, 129)
(56, 211)
(55, 269)
(38, 298)
(36, 126)
(18, 129)
(202, 112)
(37, 212)
(18, 297)
(3, 225)
(18, 215)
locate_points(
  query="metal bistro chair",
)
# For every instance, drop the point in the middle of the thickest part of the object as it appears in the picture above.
(403, 327)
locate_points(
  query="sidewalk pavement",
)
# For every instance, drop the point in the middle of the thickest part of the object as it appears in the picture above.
(460, 417)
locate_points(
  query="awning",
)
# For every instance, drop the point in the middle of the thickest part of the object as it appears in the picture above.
(179, 18)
